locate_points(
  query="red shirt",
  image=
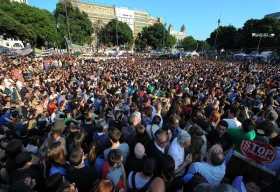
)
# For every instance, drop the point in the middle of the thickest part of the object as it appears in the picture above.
(105, 171)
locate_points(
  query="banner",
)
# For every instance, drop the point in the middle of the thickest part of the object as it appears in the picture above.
(257, 151)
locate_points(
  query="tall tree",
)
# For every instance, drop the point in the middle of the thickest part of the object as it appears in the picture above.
(155, 36)
(81, 28)
(117, 32)
(265, 25)
(225, 39)
(11, 28)
(189, 43)
(35, 19)
(98, 32)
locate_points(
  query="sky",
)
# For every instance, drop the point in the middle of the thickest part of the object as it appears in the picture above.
(199, 16)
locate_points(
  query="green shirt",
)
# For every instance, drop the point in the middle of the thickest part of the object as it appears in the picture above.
(67, 119)
(238, 135)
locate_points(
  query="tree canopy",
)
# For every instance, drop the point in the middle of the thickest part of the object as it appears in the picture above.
(9, 27)
(189, 43)
(117, 28)
(231, 38)
(155, 36)
(28, 23)
(81, 28)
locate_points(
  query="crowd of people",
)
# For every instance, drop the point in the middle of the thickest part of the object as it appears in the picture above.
(134, 124)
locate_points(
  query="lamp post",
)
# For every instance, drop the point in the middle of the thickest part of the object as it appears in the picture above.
(117, 37)
(219, 21)
(261, 35)
(67, 20)
(163, 35)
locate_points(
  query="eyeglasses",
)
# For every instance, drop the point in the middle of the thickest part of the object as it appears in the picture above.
(162, 143)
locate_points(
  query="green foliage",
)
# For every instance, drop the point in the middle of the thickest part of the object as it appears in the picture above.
(189, 43)
(40, 22)
(231, 38)
(226, 37)
(265, 25)
(9, 27)
(81, 28)
(155, 36)
(124, 33)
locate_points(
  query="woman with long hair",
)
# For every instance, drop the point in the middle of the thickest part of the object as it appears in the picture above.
(55, 160)
(196, 146)
(187, 109)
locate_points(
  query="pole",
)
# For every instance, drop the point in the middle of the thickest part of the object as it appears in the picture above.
(68, 27)
(163, 36)
(259, 44)
(117, 37)
(217, 31)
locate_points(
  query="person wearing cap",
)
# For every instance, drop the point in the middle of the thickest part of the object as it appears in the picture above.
(265, 130)
(272, 116)
(55, 136)
(135, 162)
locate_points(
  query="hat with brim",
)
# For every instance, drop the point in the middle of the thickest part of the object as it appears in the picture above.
(273, 135)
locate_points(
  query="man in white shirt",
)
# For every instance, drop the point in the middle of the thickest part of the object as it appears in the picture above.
(177, 151)
(8, 81)
(213, 170)
(232, 118)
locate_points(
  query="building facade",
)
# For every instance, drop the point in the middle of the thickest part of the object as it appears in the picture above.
(153, 20)
(179, 35)
(276, 15)
(101, 15)
(96, 12)
(141, 21)
(125, 15)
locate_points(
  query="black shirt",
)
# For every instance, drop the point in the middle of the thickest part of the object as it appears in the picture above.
(213, 138)
(88, 128)
(84, 178)
(133, 164)
(33, 172)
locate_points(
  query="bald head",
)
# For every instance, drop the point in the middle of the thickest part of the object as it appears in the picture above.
(157, 185)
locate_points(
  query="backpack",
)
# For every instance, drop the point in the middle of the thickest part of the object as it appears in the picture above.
(143, 189)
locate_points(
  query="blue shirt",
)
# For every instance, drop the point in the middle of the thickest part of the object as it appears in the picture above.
(2, 119)
(55, 170)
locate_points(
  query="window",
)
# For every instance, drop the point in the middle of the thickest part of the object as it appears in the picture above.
(7, 44)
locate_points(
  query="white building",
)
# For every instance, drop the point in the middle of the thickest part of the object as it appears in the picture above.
(11, 43)
(179, 35)
(125, 15)
(20, 1)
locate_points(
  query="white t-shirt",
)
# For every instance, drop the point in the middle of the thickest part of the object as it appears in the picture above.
(177, 153)
(33, 149)
(19, 85)
(139, 182)
(213, 174)
(8, 82)
(232, 123)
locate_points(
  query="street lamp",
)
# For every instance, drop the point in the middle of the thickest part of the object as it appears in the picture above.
(67, 20)
(219, 21)
(117, 37)
(261, 35)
